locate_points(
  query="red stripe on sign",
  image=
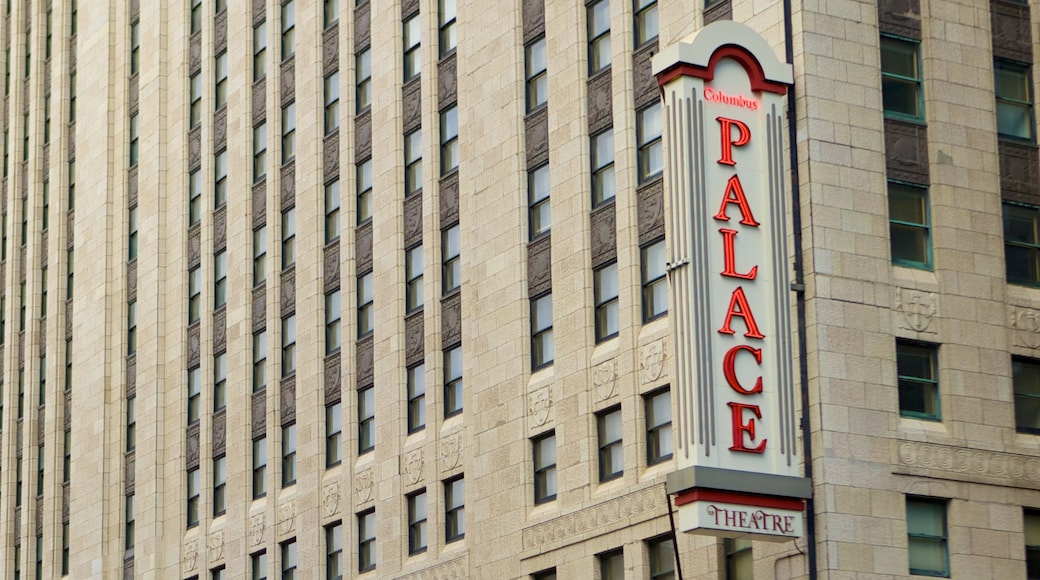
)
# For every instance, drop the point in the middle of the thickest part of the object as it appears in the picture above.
(766, 501)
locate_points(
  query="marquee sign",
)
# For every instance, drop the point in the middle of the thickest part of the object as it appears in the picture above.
(735, 398)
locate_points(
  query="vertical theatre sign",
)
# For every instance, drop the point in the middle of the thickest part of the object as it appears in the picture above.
(736, 438)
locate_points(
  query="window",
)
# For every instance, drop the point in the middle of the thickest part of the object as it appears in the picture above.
(288, 132)
(258, 563)
(1032, 534)
(218, 573)
(412, 56)
(417, 523)
(259, 51)
(333, 434)
(289, 559)
(606, 290)
(131, 429)
(366, 540)
(196, 16)
(447, 27)
(288, 455)
(535, 70)
(413, 162)
(332, 322)
(221, 73)
(646, 21)
(449, 140)
(131, 253)
(220, 286)
(334, 551)
(453, 381)
(901, 92)
(539, 210)
(1022, 243)
(259, 255)
(366, 419)
(544, 467)
(220, 5)
(131, 328)
(194, 488)
(739, 559)
(331, 12)
(450, 258)
(926, 537)
(135, 140)
(65, 549)
(413, 260)
(219, 485)
(288, 238)
(1026, 377)
(612, 565)
(454, 509)
(331, 102)
(195, 111)
(259, 152)
(611, 454)
(364, 79)
(918, 380)
(220, 179)
(602, 167)
(128, 527)
(219, 382)
(1013, 84)
(194, 197)
(648, 136)
(542, 347)
(416, 398)
(909, 225)
(366, 312)
(259, 467)
(549, 574)
(259, 360)
(331, 211)
(288, 345)
(658, 426)
(662, 558)
(194, 394)
(288, 29)
(364, 191)
(655, 283)
(599, 36)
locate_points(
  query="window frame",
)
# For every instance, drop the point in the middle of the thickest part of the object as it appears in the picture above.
(333, 322)
(606, 562)
(1010, 244)
(366, 521)
(259, 50)
(453, 386)
(220, 175)
(415, 385)
(943, 540)
(418, 515)
(259, 467)
(194, 100)
(289, 471)
(891, 77)
(259, 255)
(334, 551)
(536, 77)
(542, 334)
(644, 11)
(1026, 70)
(135, 140)
(194, 488)
(288, 238)
(413, 278)
(1019, 393)
(451, 264)
(597, 37)
(289, 345)
(602, 170)
(647, 145)
(413, 163)
(610, 449)
(449, 126)
(288, 133)
(656, 429)
(332, 95)
(194, 197)
(363, 83)
(447, 40)
(366, 300)
(649, 284)
(332, 211)
(411, 39)
(454, 509)
(194, 387)
(1032, 544)
(260, 152)
(929, 383)
(539, 202)
(219, 381)
(333, 434)
(289, 559)
(366, 419)
(220, 279)
(220, 80)
(607, 307)
(658, 549)
(219, 485)
(363, 178)
(922, 191)
(259, 375)
(288, 36)
(544, 471)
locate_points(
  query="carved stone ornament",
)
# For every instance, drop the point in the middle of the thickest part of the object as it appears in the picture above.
(651, 361)
(1023, 470)
(215, 546)
(918, 310)
(451, 320)
(330, 500)
(191, 555)
(413, 466)
(1025, 325)
(600, 518)
(330, 49)
(451, 451)
(286, 517)
(603, 379)
(330, 157)
(259, 100)
(288, 88)
(363, 486)
(413, 220)
(539, 405)
(450, 570)
(330, 267)
(257, 526)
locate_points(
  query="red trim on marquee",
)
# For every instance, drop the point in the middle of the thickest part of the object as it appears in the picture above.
(765, 501)
(738, 53)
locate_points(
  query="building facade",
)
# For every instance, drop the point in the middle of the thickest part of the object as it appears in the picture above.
(380, 290)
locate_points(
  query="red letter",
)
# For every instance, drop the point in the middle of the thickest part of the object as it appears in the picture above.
(730, 259)
(744, 137)
(740, 427)
(738, 306)
(731, 372)
(735, 194)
